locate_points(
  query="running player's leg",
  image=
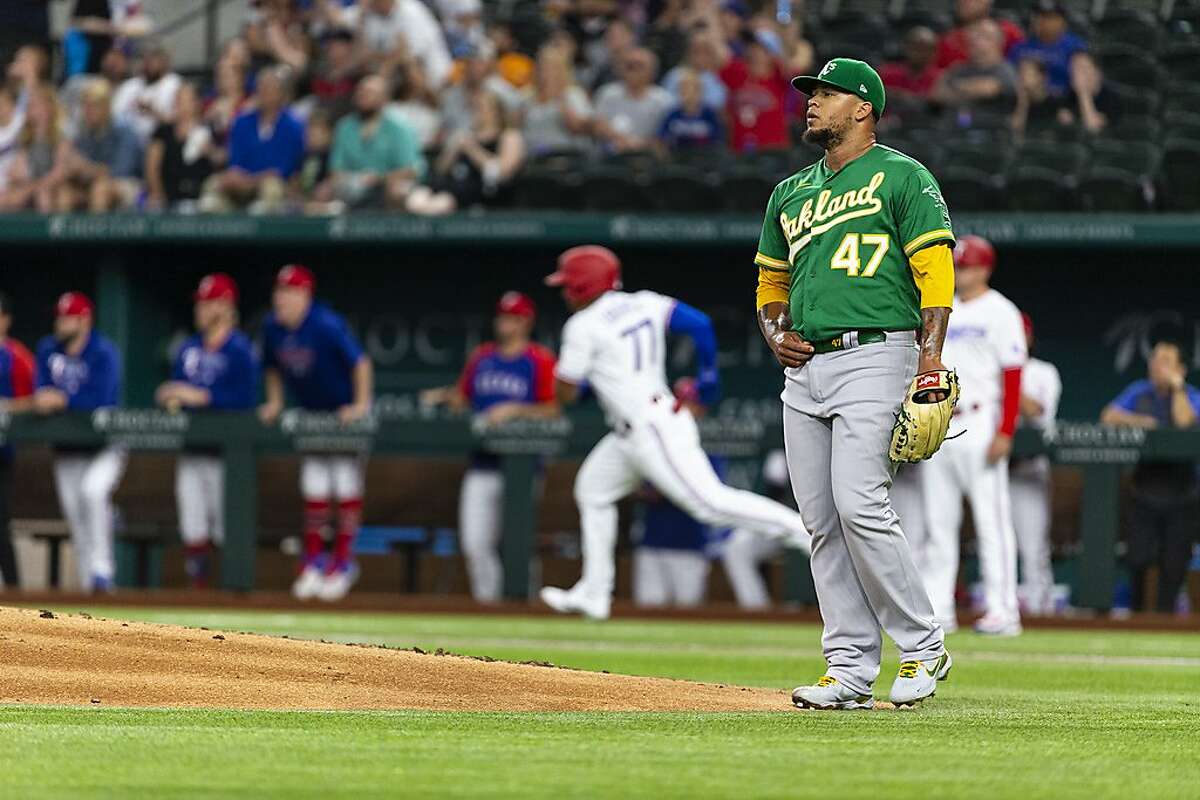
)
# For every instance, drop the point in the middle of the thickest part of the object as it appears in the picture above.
(1030, 498)
(606, 476)
(997, 543)
(480, 505)
(942, 493)
(869, 383)
(745, 551)
(68, 480)
(851, 640)
(100, 480)
(650, 578)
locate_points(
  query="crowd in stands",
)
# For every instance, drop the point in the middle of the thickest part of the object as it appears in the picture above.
(428, 106)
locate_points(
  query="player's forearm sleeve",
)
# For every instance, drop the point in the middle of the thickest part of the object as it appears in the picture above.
(933, 271)
(774, 284)
(698, 327)
(1010, 404)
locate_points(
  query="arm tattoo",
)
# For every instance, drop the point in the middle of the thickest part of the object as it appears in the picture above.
(773, 319)
(933, 332)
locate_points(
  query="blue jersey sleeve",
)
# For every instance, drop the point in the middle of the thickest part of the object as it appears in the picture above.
(347, 346)
(238, 387)
(1128, 399)
(103, 386)
(269, 360)
(177, 364)
(44, 350)
(696, 325)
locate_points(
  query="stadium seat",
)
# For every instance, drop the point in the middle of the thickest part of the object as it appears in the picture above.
(1038, 189)
(1129, 66)
(1182, 97)
(547, 189)
(1134, 128)
(705, 158)
(967, 189)
(1062, 156)
(1181, 61)
(609, 188)
(989, 158)
(1179, 175)
(639, 163)
(1139, 158)
(745, 190)
(1116, 190)
(1135, 28)
(685, 190)
(865, 32)
(840, 48)
(1180, 123)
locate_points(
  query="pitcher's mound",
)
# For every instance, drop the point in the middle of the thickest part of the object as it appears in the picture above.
(77, 660)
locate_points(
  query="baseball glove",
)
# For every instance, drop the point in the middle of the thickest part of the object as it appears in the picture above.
(922, 422)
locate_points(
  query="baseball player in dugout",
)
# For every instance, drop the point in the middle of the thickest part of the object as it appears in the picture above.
(855, 285)
(216, 370)
(78, 369)
(986, 344)
(506, 379)
(309, 351)
(615, 343)
(17, 371)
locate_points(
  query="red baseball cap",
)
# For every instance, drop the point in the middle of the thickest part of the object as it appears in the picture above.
(296, 275)
(74, 304)
(974, 251)
(217, 286)
(517, 304)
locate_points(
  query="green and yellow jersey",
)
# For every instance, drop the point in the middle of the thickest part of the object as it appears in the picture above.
(845, 239)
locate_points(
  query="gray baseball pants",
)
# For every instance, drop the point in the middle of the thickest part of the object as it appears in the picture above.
(838, 414)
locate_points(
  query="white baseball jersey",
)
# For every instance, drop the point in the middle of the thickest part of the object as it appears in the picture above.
(985, 337)
(618, 345)
(1040, 380)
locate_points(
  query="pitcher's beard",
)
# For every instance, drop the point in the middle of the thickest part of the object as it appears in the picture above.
(825, 138)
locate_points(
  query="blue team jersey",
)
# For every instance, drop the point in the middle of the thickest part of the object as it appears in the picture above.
(229, 373)
(316, 360)
(90, 380)
(490, 378)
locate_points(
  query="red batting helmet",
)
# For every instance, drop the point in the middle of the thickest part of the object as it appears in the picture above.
(586, 272)
(974, 251)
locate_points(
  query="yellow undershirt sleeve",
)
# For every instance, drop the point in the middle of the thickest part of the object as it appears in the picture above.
(933, 271)
(774, 285)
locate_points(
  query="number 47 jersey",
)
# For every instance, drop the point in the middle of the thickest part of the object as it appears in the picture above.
(617, 346)
(845, 238)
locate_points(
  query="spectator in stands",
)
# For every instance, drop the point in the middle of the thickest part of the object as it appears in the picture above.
(602, 62)
(1089, 106)
(1052, 44)
(22, 22)
(1166, 494)
(691, 124)
(910, 81)
(276, 35)
(1038, 112)
(1095, 106)
(558, 114)
(670, 563)
(44, 159)
(393, 32)
(266, 146)
(462, 22)
(416, 106)
(16, 396)
(338, 72)
(147, 100)
(12, 120)
(29, 69)
(78, 369)
(94, 27)
(953, 46)
(375, 159)
(179, 156)
(759, 86)
(214, 370)
(702, 58)
(229, 100)
(982, 92)
(475, 167)
(478, 75)
(511, 64)
(107, 158)
(506, 379)
(630, 112)
(312, 187)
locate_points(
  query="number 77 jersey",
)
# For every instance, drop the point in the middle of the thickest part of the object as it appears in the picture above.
(617, 345)
(845, 239)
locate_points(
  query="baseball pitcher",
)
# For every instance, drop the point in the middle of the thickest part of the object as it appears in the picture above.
(310, 350)
(855, 286)
(215, 369)
(985, 342)
(615, 343)
(80, 370)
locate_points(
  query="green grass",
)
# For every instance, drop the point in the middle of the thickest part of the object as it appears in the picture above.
(1052, 714)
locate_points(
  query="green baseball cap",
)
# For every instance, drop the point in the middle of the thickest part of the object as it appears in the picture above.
(849, 75)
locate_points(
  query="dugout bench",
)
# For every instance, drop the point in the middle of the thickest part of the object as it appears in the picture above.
(1100, 452)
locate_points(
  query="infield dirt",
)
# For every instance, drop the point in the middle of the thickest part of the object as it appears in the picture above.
(68, 659)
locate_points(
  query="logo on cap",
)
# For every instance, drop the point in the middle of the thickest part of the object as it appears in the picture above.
(862, 88)
(825, 70)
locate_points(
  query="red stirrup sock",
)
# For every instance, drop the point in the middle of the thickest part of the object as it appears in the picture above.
(349, 517)
(316, 517)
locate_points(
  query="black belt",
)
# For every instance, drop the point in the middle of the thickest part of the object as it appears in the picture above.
(849, 339)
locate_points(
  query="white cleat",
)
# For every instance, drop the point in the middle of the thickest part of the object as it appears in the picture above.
(336, 584)
(828, 694)
(572, 601)
(917, 680)
(308, 583)
(990, 625)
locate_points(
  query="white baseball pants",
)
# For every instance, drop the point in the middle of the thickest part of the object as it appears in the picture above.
(744, 553)
(665, 577)
(85, 484)
(480, 510)
(327, 477)
(663, 447)
(200, 498)
(1029, 492)
(960, 469)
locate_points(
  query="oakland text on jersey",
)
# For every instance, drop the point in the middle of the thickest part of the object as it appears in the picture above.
(821, 214)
